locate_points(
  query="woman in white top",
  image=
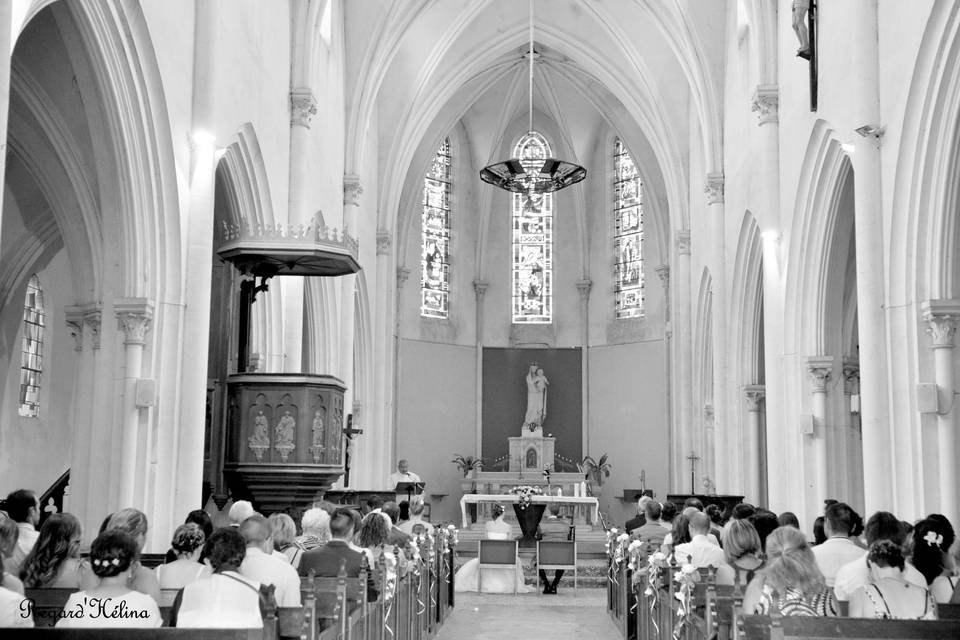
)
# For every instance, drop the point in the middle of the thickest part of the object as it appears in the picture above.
(225, 599)
(888, 595)
(14, 609)
(187, 543)
(54, 562)
(284, 538)
(8, 542)
(494, 580)
(111, 603)
(134, 523)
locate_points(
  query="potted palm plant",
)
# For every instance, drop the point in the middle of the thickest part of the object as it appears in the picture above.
(469, 465)
(594, 471)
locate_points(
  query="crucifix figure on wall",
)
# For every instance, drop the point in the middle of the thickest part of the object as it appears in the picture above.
(804, 16)
(693, 457)
(349, 433)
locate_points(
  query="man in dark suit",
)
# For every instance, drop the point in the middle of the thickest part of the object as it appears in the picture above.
(640, 519)
(325, 560)
(553, 527)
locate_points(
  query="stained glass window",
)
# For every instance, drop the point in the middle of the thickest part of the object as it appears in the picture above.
(627, 234)
(532, 241)
(435, 223)
(31, 356)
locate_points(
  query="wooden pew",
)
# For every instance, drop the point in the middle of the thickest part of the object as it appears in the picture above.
(822, 628)
(163, 633)
(948, 611)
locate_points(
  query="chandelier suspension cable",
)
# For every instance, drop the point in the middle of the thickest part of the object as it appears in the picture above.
(532, 174)
(530, 79)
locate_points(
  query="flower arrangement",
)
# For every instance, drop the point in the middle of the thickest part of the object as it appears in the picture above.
(686, 578)
(526, 493)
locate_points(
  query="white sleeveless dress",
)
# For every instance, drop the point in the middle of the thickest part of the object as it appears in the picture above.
(494, 580)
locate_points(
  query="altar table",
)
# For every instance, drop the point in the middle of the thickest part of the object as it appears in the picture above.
(510, 498)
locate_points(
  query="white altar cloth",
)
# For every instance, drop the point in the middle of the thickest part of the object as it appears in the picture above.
(505, 498)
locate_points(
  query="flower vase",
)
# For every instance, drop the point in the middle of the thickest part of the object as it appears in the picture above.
(529, 519)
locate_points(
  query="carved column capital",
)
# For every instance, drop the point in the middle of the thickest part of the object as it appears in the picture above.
(75, 326)
(134, 316)
(384, 242)
(766, 103)
(351, 189)
(941, 317)
(851, 378)
(303, 106)
(820, 368)
(713, 187)
(480, 288)
(583, 286)
(402, 274)
(683, 242)
(754, 393)
(92, 317)
(664, 272)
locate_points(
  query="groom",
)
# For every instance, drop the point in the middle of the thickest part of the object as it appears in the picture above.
(553, 527)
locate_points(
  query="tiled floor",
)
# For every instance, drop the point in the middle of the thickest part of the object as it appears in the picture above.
(531, 616)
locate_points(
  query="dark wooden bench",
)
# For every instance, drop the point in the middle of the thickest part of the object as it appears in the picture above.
(163, 633)
(948, 611)
(822, 628)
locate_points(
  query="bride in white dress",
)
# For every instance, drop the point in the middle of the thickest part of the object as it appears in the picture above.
(494, 580)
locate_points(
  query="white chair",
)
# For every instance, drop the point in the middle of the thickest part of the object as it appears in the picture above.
(557, 554)
(497, 554)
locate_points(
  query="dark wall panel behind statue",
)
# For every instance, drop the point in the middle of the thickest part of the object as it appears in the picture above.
(505, 398)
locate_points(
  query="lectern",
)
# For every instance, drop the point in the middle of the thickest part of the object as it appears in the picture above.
(409, 488)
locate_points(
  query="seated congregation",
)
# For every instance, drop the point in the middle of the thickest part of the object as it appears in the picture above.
(700, 573)
(350, 572)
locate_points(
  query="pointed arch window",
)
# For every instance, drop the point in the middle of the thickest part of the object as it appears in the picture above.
(31, 356)
(627, 234)
(435, 226)
(532, 241)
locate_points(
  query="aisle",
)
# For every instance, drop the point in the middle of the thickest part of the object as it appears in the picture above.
(530, 616)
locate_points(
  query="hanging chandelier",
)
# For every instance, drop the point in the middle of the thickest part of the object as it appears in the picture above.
(530, 174)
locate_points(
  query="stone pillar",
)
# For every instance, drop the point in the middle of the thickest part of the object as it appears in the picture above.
(583, 288)
(941, 318)
(879, 439)
(134, 316)
(819, 368)
(347, 288)
(852, 461)
(303, 106)
(683, 350)
(753, 483)
(663, 271)
(479, 289)
(728, 467)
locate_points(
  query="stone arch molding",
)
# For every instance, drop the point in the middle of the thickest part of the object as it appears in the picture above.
(825, 168)
(748, 299)
(138, 145)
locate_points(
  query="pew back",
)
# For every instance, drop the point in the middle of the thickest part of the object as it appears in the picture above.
(163, 633)
(822, 628)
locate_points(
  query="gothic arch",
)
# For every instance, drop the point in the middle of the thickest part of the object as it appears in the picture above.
(713, 453)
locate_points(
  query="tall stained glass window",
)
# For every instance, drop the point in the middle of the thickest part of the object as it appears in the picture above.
(31, 356)
(435, 223)
(627, 234)
(532, 241)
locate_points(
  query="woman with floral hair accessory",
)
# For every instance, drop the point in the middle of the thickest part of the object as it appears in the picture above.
(134, 523)
(112, 602)
(931, 540)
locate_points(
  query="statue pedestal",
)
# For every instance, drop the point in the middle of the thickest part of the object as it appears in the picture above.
(533, 452)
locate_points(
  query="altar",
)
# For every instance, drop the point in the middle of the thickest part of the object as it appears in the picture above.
(588, 502)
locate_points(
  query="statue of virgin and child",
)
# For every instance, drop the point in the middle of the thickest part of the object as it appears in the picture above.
(536, 398)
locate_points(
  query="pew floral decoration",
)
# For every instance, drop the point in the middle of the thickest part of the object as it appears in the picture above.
(453, 535)
(525, 493)
(636, 552)
(656, 563)
(686, 579)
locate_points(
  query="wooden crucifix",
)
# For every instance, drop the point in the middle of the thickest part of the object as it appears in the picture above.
(804, 17)
(349, 433)
(693, 457)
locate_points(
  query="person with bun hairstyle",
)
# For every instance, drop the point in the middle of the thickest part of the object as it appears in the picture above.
(889, 595)
(112, 602)
(225, 599)
(187, 543)
(54, 562)
(133, 522)
(494, 580)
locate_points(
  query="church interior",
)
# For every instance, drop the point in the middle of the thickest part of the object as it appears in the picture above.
(246, 252)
